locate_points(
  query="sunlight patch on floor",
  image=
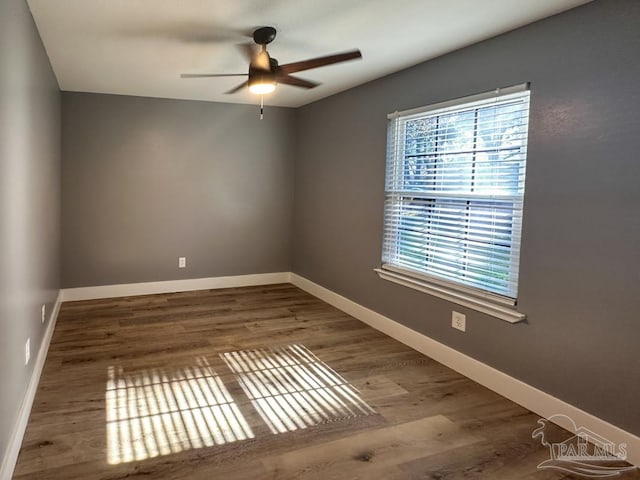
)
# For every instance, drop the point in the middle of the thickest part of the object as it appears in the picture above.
(293, 389)
(162, 411)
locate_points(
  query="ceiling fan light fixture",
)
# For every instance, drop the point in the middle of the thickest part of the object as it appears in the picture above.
(262, 87)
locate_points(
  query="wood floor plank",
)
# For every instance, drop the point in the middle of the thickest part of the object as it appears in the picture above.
(367, 454)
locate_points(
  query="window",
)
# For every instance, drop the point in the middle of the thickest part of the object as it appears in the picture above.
(454, 195)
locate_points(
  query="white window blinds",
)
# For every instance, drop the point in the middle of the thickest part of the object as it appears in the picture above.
(454, 191)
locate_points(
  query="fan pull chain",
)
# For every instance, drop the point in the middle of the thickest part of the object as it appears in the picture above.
(261, 106)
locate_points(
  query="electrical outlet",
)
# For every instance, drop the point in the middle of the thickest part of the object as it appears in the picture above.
(458, 321)
(27, 352)
(44, 310)
(182, 262)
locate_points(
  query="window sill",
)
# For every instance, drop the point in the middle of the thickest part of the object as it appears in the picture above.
(481, 305)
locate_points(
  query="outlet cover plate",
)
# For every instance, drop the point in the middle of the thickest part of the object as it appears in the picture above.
(459, 321)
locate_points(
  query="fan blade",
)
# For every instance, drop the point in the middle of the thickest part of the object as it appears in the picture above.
(258, 58)
(195, 31)
(320, 61)
(295, 81)
(248, 50)
(238, 88)
(207, 75)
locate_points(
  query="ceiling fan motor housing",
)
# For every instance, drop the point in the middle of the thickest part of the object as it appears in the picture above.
(259, 75)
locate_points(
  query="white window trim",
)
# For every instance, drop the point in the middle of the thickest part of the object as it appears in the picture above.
(456, 287)
(492, 304)
(455, 295)
(455, 103)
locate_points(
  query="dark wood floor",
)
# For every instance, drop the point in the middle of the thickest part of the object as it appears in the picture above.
(259, 383)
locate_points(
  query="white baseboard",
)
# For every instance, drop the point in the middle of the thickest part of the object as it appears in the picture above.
(150, 288)
(519, 392)
(15, 442)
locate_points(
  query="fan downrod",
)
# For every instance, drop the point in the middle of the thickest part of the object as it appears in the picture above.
(264, 35)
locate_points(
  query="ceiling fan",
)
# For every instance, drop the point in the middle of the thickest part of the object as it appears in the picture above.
(265, 72)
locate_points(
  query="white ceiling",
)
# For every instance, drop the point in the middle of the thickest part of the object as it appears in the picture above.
(140, 47)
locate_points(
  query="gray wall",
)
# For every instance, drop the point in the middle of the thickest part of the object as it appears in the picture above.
(148, 180)
(29, 202)
(580, 264)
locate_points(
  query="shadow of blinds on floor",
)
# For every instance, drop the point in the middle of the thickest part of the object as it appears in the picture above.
(160, 411)
(293, 389)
